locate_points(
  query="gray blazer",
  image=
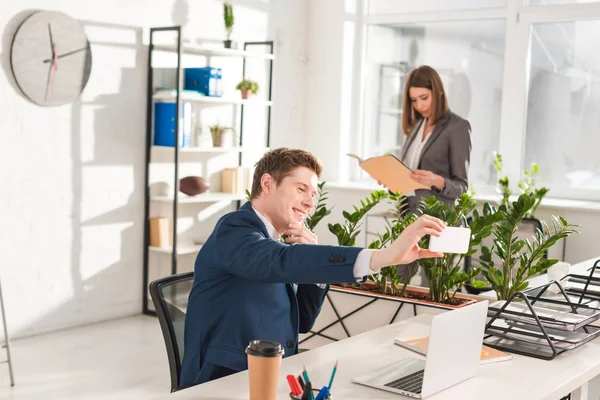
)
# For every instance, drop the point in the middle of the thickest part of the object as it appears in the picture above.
(447, 153)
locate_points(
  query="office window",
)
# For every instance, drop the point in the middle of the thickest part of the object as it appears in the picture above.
(469, 56)
(549, 2)
(408, 6)
(563, 110)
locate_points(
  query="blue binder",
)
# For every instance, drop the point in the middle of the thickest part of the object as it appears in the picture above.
(164, 124)
(206, 80)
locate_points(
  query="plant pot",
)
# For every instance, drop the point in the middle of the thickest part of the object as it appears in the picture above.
(227, 44)
(222, 140)
(348, 312)
(217, 141)
(245, 94)
(414, 295)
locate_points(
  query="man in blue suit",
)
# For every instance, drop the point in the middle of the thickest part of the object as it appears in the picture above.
(249, 285)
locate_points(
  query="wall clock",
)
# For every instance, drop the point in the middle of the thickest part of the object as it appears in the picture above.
(51, 58)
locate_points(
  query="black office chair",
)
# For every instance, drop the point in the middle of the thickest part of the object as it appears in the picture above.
(527, 228)
(170, 296)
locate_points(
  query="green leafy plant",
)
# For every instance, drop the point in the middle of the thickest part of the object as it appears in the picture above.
(320, 210)
(247, 85)
(346, 233)
(217, 131)
(445, 274)
(520, 258)
(388, 277)
(228, 19)
(526, 184)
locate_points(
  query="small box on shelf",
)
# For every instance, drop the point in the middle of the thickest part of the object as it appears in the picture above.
(235, 180)
(159, 232)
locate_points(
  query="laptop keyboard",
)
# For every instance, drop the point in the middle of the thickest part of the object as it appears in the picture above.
(411, 383)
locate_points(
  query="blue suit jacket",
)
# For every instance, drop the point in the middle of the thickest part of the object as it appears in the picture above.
(243, 291)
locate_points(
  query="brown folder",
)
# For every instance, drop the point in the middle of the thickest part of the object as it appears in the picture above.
(421, 344)
(391, 172)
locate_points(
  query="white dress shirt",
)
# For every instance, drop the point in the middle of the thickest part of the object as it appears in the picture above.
(361, 265)
(414, 151)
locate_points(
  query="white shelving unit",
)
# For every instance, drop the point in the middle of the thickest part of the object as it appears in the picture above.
(201, 198)
(201, 150)
(206, 101)
(182, 250)
(210, 160)
(207, 51)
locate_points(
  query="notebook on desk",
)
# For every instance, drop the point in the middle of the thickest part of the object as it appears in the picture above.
(420, 344)
(452, 356)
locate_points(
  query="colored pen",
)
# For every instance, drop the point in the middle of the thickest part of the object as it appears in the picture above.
(332, 375)
(294, 385)
(306, 381)
(301, 381)
(323, 393)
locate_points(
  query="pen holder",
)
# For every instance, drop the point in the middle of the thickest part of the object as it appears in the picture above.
(315, 393)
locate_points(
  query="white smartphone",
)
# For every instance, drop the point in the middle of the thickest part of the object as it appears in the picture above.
(452, 240)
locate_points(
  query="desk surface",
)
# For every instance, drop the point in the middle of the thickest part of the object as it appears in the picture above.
(521, 378)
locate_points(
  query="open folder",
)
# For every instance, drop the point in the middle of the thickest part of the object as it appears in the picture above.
(420, 345)
(391, 172)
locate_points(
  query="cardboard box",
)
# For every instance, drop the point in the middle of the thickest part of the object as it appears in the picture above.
(160, 232)
(235, 180)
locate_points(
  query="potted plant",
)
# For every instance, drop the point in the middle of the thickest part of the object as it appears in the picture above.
(382, 300)
(228, 20)
(217, 132)
(520, 258)
(446, 275)
(247, 86)
(526, 184)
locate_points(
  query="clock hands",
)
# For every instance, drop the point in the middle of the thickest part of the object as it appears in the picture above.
(52, 48)
(65, 55)
(51, 75)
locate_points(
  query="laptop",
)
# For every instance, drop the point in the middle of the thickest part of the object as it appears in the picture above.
(453, 356)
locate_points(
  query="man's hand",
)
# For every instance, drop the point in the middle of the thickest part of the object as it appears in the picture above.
(428, 178)
(405, 249)
(298, 233)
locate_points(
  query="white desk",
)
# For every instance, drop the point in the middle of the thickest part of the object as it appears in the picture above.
(523, 378)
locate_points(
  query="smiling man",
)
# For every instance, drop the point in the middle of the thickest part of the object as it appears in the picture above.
(249, 285)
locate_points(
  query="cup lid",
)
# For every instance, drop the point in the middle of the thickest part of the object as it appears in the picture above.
(264, 348)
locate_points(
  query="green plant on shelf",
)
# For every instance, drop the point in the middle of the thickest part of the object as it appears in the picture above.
(247, 86)
(228, 20)
(217, 132)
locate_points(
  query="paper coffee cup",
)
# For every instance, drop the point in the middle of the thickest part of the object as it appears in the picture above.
(264, 360)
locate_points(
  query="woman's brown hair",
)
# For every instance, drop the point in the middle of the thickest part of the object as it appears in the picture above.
(423, 77)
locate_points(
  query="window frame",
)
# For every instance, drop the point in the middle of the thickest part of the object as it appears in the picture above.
(519, 17)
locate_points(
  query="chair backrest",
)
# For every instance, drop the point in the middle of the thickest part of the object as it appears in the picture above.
(527, 229)
(170, 297)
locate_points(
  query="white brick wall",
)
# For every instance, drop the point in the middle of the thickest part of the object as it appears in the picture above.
(71, 178)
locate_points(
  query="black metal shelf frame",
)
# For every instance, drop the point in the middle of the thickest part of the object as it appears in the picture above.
(149, 111)
(529, 300)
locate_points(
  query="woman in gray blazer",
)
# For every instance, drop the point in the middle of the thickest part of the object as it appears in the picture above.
(438, 143)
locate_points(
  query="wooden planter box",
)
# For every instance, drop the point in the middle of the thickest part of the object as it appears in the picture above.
(348, 312)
